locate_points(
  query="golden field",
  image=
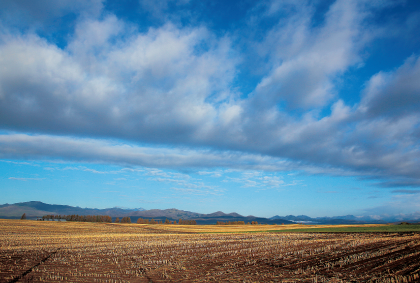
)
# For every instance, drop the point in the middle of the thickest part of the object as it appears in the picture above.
(38, 251)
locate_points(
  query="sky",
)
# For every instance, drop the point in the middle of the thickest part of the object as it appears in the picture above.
(256, 107)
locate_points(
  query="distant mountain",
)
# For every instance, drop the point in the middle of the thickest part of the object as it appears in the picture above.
(167, 213)
(293, 218)
(222, 214)
(351, 219)
(212, 218)
(16, 211)
(34, 209)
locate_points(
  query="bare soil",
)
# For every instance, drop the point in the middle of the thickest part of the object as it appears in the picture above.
(86, 252)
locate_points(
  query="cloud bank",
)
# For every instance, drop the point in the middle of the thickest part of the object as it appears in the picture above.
(177, 88)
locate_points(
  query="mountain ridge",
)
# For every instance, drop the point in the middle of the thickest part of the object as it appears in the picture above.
(351, 219)
(35, 209)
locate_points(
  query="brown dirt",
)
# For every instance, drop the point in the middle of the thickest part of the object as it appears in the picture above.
(86, 252)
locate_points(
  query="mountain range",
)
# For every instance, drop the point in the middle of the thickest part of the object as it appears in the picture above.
(351, 219)
(35, 209)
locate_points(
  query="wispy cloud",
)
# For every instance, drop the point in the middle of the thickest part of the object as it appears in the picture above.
(215, 174)
(20, 163)
(406, 191)
(78, 168)
(261, 180)
(399, 205)
(26, 179)
(200, 192)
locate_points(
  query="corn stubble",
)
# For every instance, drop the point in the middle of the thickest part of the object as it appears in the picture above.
(32, 251)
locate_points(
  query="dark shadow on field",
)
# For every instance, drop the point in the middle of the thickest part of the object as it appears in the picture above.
(17, 278)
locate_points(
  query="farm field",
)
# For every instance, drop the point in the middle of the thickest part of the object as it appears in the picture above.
(37, 251)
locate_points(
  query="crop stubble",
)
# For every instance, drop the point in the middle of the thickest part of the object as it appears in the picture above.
(33, 251)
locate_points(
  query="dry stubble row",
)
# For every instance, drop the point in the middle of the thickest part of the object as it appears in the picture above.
(90, 252)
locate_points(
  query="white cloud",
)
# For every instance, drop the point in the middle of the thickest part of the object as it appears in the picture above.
(160, 85)
(393, 94)
(308, 59)
(19, 163)
(214, 174)
(16, 146)
(401, 206)
(175, 87)
(260, 179)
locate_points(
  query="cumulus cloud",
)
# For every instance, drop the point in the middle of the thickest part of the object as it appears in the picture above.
(176, 86)
(157, 86)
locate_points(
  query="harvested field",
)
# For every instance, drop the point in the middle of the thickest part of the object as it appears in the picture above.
(32, 251)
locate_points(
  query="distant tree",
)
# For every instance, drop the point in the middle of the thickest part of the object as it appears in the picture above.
(126, 219)
(23, 216)
(117, 220)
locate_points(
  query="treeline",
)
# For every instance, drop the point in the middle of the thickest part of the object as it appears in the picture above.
(123, 220)
(79, 218)
(187, 222)
(108, 219)
(236, 223)
(180, 221)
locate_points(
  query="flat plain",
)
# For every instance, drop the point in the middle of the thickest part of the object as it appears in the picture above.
(38, 251)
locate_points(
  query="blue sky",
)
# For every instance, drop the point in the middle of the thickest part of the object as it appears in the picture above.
(258, 107)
